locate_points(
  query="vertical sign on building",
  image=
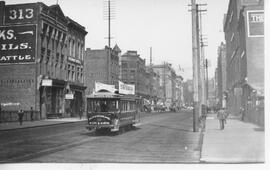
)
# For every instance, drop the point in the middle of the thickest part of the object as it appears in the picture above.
(255, 23)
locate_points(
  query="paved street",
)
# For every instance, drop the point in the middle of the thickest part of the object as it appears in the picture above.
(162, 137)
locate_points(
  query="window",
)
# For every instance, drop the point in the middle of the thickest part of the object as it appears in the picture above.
(74, 49)
(70, 47)
(48, 55)
(79, 50)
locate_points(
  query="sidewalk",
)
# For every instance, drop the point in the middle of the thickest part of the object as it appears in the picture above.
(37, 123)
(239, 142)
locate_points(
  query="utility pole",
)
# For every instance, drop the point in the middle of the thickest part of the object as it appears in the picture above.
(164, 82)
(195, 55)
(206, 67)
(202, 89)
(108, 16)
(109, 23)
(151, 76)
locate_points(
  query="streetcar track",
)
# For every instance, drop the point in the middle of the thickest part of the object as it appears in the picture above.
(47, 151)
(39, 138)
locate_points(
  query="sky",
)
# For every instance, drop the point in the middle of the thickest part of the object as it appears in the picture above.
(164, 25)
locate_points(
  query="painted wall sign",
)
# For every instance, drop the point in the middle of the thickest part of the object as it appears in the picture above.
(17, 44)
(255, 23)
(126, 88)
(18, 14)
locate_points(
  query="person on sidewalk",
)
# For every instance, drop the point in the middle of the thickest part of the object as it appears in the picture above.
(80, 112)
(242, 113)
(221, 115)
(32, 114)
(20, 115)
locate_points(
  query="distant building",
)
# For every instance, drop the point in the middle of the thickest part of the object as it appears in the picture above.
(222, 73)
(244, 34)
(179, 91)
(188, 92)
(167, 81)
(133, 71)
(153, 88)
(212, 98)
(102, 66)
(46, 68)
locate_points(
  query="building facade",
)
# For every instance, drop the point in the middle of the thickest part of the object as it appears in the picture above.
(102, 66)
(244, 34)
(153, 88)
(179, 91)
(34, 68)
(167, 82)
(188, 93)
(221, 75)
(133, 71)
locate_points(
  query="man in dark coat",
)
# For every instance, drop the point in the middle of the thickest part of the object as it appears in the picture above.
(32, 114)
(20, 115)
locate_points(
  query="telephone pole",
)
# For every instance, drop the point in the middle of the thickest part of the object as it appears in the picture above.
(206, 67)
(195, 58)
(108, 15)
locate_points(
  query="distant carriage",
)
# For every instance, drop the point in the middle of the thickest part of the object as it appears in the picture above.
(111, 111)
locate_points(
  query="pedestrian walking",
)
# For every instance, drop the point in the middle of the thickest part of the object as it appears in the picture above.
(20, 115)
(32, 114)
(242, 113)
(80, 113)
(221, 115)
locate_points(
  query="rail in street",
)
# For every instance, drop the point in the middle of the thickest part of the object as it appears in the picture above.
(162, 138)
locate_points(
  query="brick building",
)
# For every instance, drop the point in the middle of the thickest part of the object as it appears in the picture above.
(42, 70)
(133, 71)
(153, 88)
(244, 34)
(102, 66)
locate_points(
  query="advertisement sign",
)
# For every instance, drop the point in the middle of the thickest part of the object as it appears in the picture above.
(126, 88)
(17, 44)
(101, 86)
(69, 96)
(20, 13)
(46, 82)
(255, 23)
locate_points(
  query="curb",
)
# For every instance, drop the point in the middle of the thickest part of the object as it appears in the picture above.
(53, 124)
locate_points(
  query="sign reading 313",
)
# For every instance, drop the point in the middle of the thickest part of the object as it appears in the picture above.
(18, 14)
(17, 44)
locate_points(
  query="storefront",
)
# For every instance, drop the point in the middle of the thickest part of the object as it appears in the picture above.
(52, 100)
